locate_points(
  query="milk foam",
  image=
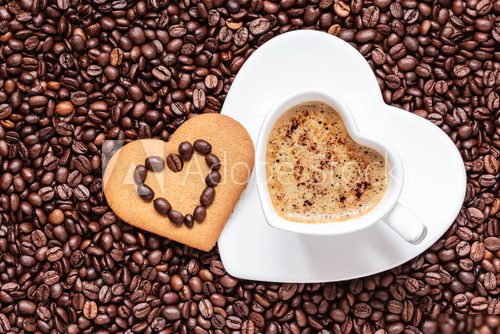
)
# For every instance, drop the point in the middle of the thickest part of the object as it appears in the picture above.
(316, 172)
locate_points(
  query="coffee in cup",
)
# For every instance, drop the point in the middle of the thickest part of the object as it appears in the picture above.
(316, 172)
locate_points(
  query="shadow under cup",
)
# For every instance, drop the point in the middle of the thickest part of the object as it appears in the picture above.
(407, 225)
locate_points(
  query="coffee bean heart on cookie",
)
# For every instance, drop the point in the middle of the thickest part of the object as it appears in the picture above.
(184, 189)
(175, 163)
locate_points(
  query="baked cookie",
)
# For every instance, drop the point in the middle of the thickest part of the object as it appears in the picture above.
(229, 141)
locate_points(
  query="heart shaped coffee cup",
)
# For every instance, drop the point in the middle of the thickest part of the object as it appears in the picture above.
(230, 142)
(387, 210)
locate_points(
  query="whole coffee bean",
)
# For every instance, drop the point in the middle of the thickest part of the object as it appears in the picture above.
(233, 322)
(213, 178)
(178, 109)
(199, 99)
(490, 281)
(477, 251)
(189, 220)
(175, 162)
(362, 310)
(64, 108)
(341, 9)
(90, 310)
(5, 111)
(259, 26)
(212, 161)
(202, 146)
(145, 192)
(492, 244)
(140, 174)
(479, 303)
(287, 291)
(77, 76)
(116, 57)
(154, 164)
(50, 277)
(206, 309)
(199, 213)
(207, 197)
(162, 205)
(176, 217)
(186, 150)
(26, 307)
(81, 192)
(141, 310)
(54, 254)
(161, 73)
(78, 98)
(211, 80)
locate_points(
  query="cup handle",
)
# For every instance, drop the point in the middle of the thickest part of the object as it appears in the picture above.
(406, 224)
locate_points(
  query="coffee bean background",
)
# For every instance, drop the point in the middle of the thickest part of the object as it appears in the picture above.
(74, 73)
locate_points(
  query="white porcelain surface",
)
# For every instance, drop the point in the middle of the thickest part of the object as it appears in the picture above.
(434, 180)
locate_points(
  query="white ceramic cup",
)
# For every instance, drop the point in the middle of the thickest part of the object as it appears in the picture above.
(388, 210)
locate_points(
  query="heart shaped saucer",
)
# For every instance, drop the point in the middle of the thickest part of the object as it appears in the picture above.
(434, 181)
(229, 141)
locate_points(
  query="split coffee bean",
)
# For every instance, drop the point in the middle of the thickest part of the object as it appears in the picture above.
(174, 162)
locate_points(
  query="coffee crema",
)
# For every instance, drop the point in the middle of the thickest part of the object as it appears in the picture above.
(316, 172)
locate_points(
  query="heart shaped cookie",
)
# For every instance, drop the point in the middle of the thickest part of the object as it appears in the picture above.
(182, 187)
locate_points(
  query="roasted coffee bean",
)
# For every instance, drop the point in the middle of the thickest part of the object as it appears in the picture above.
(479, 303)
(162, 205)
(199, 99)
(189, 220)
(202, 146)
(341, 9)
(213, 178)
(140, 174)
(161, 73)
(199, 213)
(154, 164)
(212, 161)
(211, 80)
(175, 162)
(145, 192)
(141, 310)
(287, 291)
(362, 310)
(90, 310)
(176, 217)
(186, 150)
(259, 26)
(76, 76)
(207, 197)
(178, 109)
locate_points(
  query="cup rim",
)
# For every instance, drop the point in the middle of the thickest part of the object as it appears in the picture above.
(385, 205)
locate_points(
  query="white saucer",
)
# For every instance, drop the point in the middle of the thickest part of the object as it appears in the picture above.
(434, 186)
